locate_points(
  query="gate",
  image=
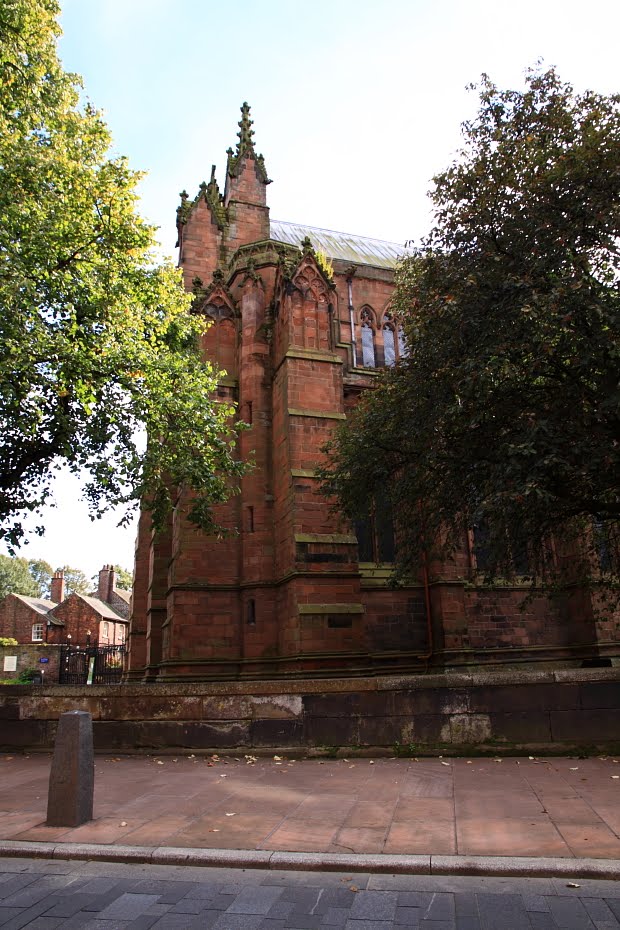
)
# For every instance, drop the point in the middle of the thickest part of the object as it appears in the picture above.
(97, 665)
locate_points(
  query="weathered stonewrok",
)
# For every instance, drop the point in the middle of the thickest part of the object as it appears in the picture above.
(570, 711)
(296, 590)
(72, 775)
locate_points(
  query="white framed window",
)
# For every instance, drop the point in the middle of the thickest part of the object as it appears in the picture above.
(106, 629)
(37, 632)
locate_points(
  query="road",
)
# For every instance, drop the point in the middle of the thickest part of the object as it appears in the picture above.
(39, 894)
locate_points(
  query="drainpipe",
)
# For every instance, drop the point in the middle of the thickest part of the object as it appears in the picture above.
(427, 603)
(351, 316)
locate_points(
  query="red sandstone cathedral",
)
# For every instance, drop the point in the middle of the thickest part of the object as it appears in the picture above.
(301, 323)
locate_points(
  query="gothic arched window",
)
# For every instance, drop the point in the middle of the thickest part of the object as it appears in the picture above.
(403, 351)
(375, 531)
(394, 346)
(368, 338)
(389, 345)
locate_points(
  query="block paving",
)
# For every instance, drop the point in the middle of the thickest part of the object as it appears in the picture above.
(63, 895)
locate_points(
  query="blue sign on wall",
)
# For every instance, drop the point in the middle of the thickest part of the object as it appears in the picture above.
(43, 660)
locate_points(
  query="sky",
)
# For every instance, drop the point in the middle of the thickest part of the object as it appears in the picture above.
(356, 105)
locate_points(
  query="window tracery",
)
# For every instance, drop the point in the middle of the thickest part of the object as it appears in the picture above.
(368, 338)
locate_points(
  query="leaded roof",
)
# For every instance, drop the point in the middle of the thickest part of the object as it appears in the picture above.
(358, 250)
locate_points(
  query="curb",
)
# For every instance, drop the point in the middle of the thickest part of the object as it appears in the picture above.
(506, 866)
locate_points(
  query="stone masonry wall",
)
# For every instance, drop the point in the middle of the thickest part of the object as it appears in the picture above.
(567, 711)
(28, 657)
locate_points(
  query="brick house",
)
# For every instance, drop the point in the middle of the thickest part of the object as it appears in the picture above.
(77, 618)
(297, 590)
(25, 618)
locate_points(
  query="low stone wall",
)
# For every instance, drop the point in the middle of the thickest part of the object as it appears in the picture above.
(29, 656)
(574, 710)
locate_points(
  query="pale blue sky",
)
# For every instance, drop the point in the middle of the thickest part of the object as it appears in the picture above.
(356, 103)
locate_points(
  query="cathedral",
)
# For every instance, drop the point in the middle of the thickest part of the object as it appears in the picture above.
(301, 325)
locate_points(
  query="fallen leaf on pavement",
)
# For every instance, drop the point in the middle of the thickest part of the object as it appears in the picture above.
(572, 885)
(353, 888)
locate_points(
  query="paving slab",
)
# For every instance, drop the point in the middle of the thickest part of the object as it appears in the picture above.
(192, 810)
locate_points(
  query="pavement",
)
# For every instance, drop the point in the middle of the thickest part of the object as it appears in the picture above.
(484, 816)
(37, 894)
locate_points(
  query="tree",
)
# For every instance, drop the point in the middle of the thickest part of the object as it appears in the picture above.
(42, 573)
(506, 414)
(76, 581)
(15, 578)
(124, 578)
(97, 344)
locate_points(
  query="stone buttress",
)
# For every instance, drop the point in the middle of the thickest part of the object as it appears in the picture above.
(301, 322)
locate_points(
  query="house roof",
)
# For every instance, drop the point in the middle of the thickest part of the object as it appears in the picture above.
(122, 593)
(40, 604)
(103, 609)
(358, 250)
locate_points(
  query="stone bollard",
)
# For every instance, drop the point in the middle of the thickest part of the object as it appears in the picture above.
(72, 775)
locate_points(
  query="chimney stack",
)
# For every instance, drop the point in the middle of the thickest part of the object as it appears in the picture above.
(107, 583)
(57, 587)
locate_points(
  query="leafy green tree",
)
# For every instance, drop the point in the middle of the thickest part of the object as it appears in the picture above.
(42, 573)
(124, 578)
(506, 414)
(76, 581)
(15, 578)
(97, 345)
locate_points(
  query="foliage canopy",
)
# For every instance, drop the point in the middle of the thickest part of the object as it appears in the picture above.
(15, 578)
(97, 346)
(506, 414)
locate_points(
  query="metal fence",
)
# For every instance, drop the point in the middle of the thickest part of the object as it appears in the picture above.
(91, 665)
